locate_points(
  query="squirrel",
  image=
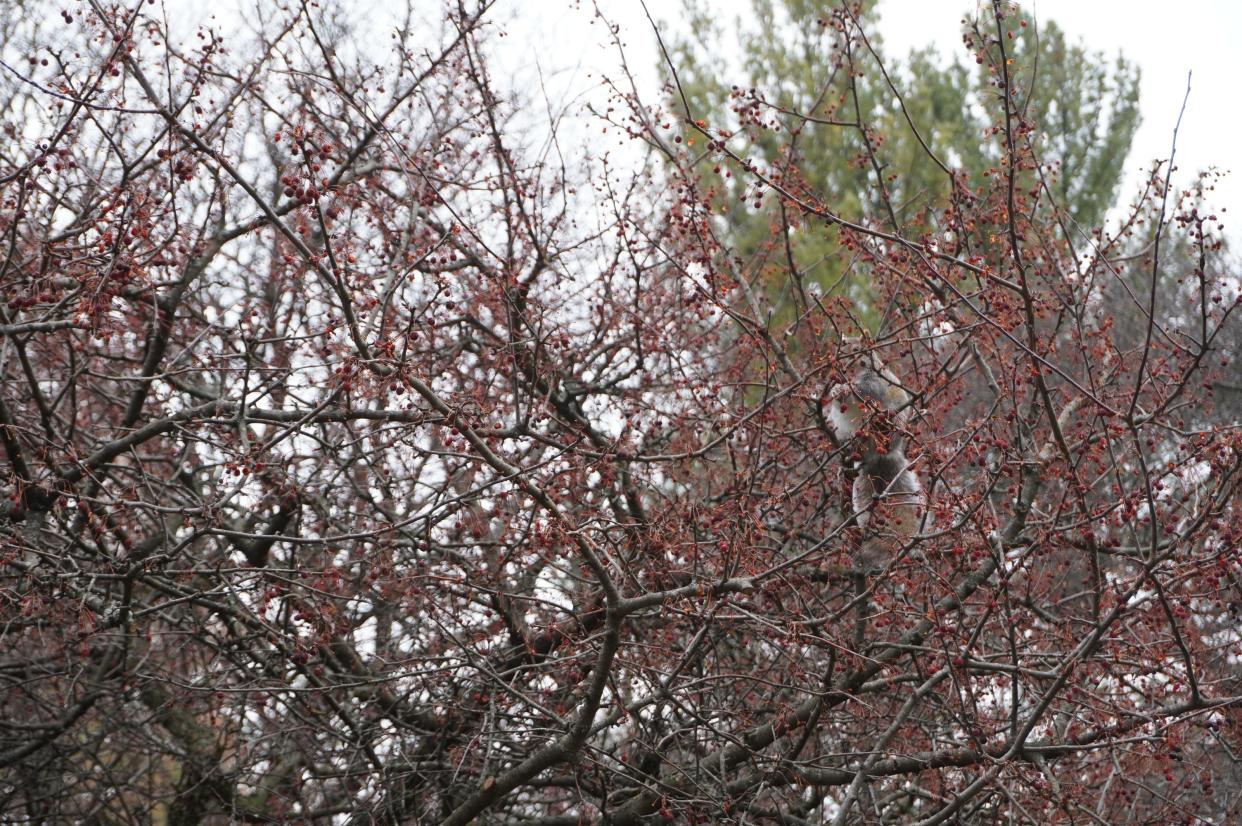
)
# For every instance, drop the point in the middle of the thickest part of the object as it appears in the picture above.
(888, 499)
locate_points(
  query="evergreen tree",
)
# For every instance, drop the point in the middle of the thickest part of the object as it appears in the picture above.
(820, 71)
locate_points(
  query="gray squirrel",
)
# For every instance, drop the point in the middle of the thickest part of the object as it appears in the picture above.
(873, 410)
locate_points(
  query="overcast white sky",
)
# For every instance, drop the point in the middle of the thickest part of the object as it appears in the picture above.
(1165, 39)
(555, 40)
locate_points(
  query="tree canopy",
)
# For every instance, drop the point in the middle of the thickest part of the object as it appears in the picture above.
(374, 449)
(816, 97)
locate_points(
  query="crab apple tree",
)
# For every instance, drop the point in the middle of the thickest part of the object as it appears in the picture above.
(381, 448)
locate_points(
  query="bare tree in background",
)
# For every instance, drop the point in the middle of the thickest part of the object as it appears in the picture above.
(372, 459)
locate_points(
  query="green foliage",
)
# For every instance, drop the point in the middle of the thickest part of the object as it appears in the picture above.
(1087, 111)
(808, 71)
